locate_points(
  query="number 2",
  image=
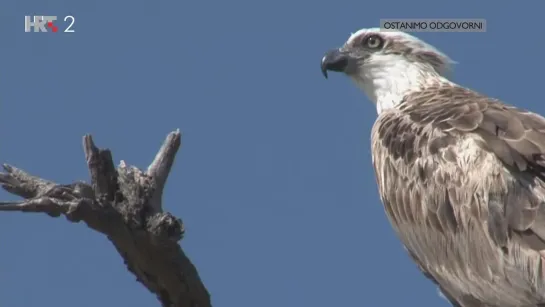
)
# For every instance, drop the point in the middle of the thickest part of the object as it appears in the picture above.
(71, 24)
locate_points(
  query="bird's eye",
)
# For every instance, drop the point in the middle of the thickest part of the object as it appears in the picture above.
(373, 42)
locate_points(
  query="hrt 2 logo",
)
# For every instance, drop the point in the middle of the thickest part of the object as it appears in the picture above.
(47, 24)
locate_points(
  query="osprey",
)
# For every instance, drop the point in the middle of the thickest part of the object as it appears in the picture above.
(461, 175)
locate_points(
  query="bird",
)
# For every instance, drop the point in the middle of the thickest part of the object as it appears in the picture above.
(461, 175)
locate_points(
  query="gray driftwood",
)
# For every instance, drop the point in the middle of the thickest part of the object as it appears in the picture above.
(125, 205)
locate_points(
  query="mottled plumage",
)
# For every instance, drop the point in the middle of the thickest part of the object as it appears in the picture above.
(461, 177)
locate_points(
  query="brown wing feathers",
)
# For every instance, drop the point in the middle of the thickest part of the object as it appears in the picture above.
(516, 136)
(418, 191)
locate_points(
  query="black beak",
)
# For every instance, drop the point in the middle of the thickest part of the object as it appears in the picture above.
(334, 60)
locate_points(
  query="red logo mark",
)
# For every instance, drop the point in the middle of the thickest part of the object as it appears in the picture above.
(52, 26)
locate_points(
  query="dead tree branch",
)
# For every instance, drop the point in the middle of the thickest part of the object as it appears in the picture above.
(125, 205)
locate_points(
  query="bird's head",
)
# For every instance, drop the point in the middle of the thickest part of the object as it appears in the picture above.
(387, 64)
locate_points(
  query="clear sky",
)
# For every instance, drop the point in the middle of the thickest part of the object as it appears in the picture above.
(274, 180)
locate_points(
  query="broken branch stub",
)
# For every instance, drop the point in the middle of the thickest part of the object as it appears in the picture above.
(125, 205)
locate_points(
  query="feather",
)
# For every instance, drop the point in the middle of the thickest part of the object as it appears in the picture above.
(475, 214)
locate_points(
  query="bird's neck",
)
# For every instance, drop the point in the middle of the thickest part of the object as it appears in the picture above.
(387, 85)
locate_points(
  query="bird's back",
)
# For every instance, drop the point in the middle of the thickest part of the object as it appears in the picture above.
(461, 179)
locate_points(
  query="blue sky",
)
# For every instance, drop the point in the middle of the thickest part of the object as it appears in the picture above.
(274, 180)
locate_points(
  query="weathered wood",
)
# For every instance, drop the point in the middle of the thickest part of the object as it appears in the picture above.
(125, 205)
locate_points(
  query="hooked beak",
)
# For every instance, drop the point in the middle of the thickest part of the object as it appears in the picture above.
(336, 60)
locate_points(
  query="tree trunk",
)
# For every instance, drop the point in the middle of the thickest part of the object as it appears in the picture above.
(125, 205)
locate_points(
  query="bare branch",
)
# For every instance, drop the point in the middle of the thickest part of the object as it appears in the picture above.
(101, 168)
(125, 205)
(22, 184)
(161, 165)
